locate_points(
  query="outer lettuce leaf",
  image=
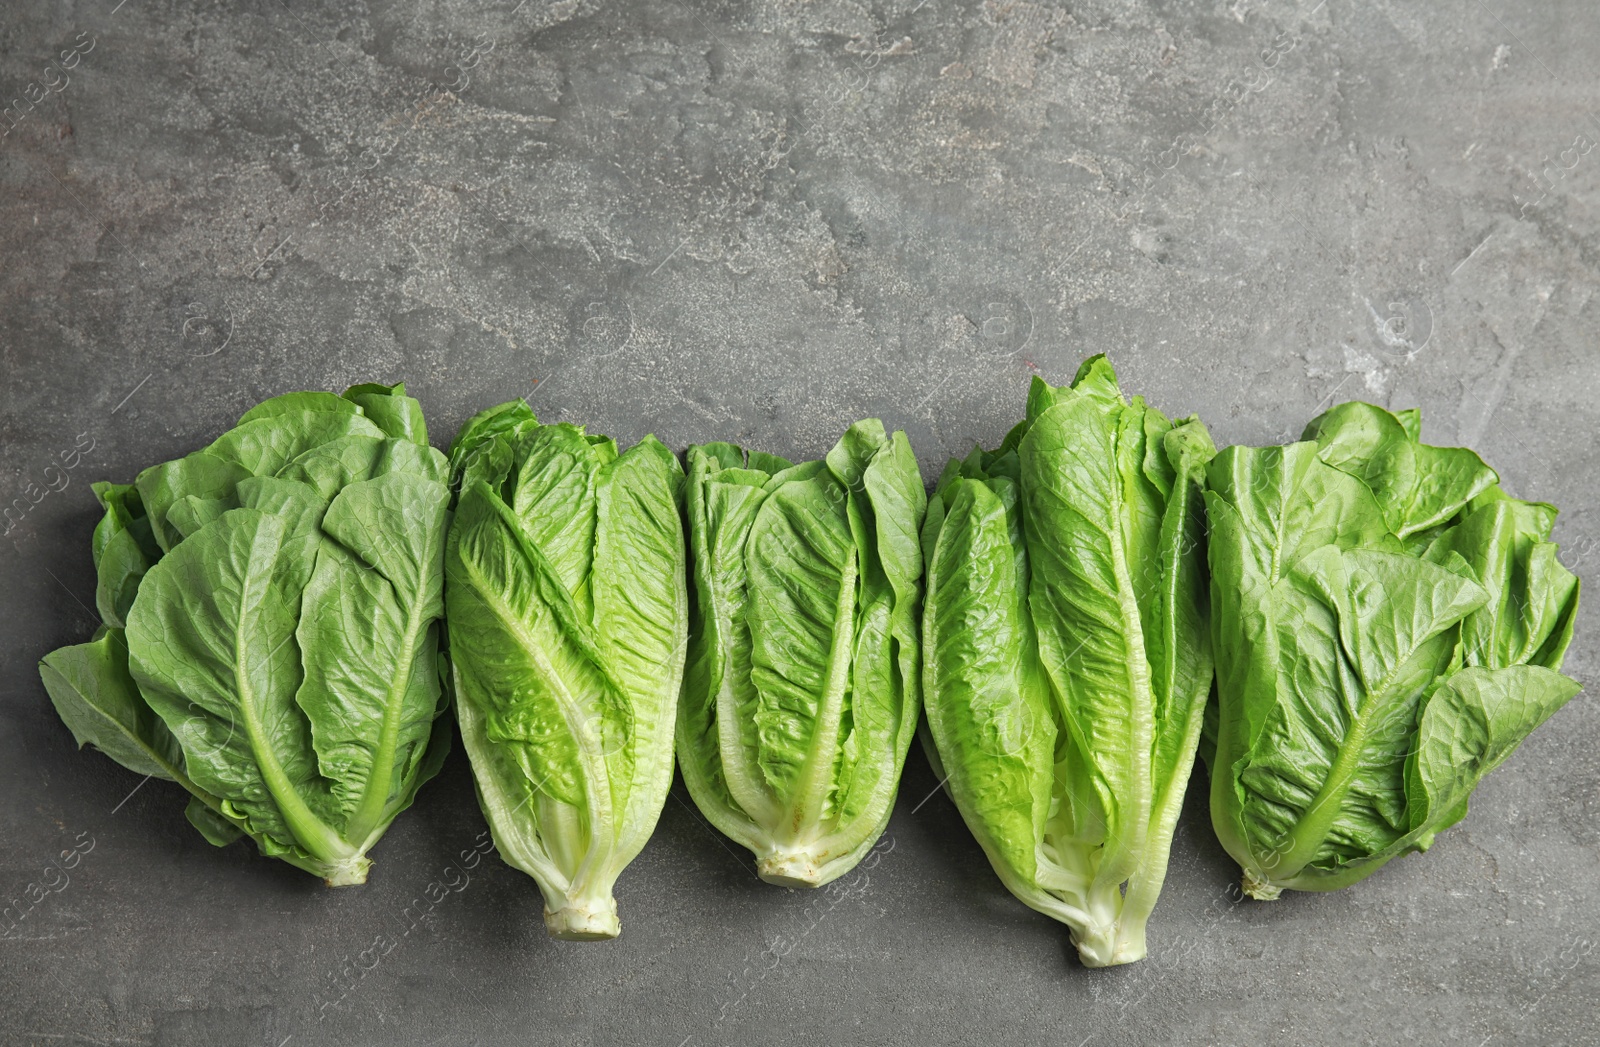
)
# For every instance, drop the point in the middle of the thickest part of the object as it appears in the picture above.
(212, 649)
(374, 596)
(1533, 600)
(1068, 653)
(988, 702)
(99, 702)
(1417, 486)
(801, 690)
(1389, 624)
(281, 596)
(801, 635)
(1472, 723)
(568, 609)
(1364, 635)
(124, 548)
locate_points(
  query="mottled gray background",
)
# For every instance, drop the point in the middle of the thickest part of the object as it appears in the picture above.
(760, 221)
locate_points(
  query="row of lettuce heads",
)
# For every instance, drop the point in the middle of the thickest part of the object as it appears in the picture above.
(1383, 625)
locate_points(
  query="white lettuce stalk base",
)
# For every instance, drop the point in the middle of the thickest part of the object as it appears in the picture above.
(1109, 944)
(584, 919)
(347, 872)
(791, 869)
(1259, 888)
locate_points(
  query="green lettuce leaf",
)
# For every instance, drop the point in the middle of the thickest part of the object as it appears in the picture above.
(801, 690)
(568, 607)
(97, 699)
(124, 547)
(1388, 627)
(272, 608)
(1067, 651)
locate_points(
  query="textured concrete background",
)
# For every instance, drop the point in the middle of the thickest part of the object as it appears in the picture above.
(760, 221)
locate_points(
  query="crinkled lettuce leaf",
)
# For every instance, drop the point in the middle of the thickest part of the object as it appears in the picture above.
(1389, 625)
(801, 692)
(568, 608)
(1067, 651)
(272, 609)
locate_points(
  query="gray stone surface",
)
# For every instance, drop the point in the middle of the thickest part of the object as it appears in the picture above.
(759, 221)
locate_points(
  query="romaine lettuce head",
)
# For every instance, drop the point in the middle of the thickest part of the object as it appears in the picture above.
(800, 698)
(1067, 658)
(1389, 626)
(271, 611)
(567, 608)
